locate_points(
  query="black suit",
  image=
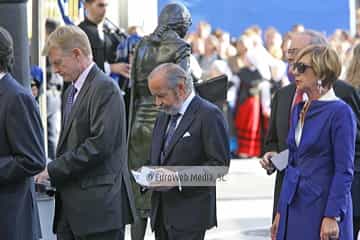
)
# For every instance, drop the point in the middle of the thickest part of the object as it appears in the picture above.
(279, 126)
(22, 156)
(103, 50)
(194, 208)
(90, 171)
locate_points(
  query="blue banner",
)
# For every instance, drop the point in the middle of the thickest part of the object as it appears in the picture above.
(235, 16)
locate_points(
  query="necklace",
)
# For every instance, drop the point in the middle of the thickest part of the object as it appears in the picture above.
(303, 112)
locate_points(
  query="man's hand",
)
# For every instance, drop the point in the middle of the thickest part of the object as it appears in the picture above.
(120, 68)
(329, 229)
(265, 161)
(163, 180)
(42, 177)
(275, 226)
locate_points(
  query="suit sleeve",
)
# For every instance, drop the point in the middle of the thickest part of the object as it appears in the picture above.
(215, 138)
(26, 140)
(107, 116)
(353, 100)
(271, 139)
(343, 141)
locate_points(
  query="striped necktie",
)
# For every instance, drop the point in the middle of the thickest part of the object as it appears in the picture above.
(169, 134)
(69, 101)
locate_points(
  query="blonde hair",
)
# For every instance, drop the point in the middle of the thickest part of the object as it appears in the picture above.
(353, 71)
(67, 38)
(324, 61)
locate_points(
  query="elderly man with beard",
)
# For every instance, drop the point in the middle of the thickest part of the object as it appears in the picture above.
(165, 44)
(187, 124)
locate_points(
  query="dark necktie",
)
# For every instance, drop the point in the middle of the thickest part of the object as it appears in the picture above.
(297, 99)
(170, 133)
(69, 101)
(171, 130)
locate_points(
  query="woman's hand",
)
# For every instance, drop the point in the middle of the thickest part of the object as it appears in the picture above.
(266, 164)
(275, 226)
(329, 229)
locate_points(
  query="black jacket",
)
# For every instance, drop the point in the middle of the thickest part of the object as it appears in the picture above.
(193, 208)
(103, 50)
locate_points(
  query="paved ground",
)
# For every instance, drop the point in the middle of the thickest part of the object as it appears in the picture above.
(244, 204)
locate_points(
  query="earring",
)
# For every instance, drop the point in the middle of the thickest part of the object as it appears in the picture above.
(319, 85)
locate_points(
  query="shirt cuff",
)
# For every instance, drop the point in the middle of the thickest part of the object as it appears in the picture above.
(107, 68)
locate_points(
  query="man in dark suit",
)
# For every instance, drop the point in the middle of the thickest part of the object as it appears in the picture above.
(22, 153)
(283, 102)
(192, 126)
(103, 49)
(90, 173)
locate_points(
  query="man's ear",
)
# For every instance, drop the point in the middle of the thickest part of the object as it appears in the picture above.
(182, 88)
(86, 4)
(76, 52)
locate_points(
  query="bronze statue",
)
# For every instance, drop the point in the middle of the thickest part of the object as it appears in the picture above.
(164, 45)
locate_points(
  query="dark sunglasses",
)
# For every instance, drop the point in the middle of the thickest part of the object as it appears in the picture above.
(300, 67)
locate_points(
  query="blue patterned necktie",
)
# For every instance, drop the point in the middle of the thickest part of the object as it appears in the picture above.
(169, 134)
(171, 130)
(69, 101)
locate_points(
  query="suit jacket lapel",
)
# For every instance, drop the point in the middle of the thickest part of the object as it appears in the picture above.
(184, 124)
(79, 99)
(64, 100)
(288, 104)
(158, 139)
(3, 83)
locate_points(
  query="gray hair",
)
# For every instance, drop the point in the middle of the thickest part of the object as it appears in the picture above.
(174, 74)
(6, 51)
(316, 38)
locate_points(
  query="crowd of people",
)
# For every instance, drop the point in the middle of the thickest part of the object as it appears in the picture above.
(110, 112)
(256, 64)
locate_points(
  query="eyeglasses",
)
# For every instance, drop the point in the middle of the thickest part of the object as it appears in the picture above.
(300, 67)
(102, 5)
(292, 51)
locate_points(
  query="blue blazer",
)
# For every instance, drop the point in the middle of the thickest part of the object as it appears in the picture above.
(318, 178)
(194, 208)
(22, 156)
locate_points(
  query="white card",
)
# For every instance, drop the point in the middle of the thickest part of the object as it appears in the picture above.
(280, 160)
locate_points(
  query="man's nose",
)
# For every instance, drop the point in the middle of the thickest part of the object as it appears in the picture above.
(55, 69)
(157, 101)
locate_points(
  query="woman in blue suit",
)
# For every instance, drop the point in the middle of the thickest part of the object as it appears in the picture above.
(315, 201)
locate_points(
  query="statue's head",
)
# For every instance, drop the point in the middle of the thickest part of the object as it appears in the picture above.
(177, 17)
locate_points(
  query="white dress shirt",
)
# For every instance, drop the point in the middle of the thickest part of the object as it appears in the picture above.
(78, 84)
(2, 75)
